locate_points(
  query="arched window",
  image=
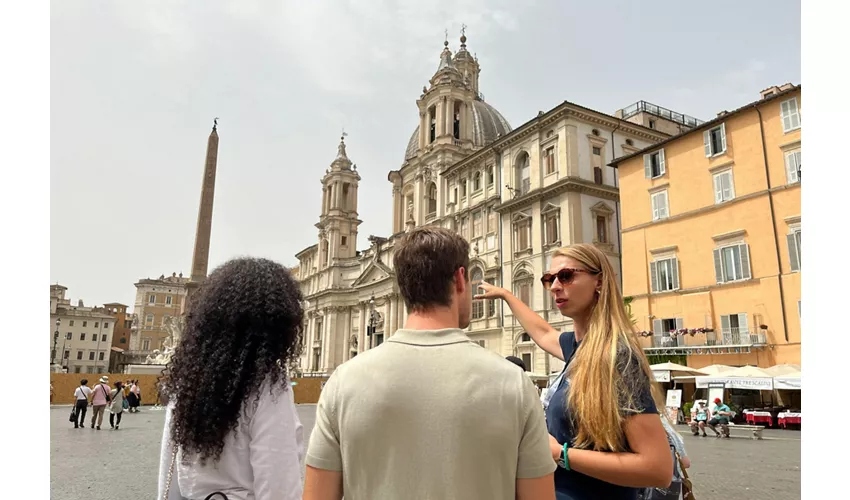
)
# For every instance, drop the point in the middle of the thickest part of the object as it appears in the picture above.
(456, 121)
(477, 305)
(522, 287)
(432, 199)
(523, 174)
(476, 181)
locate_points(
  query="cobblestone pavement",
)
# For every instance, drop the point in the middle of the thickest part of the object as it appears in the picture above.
(107, 464)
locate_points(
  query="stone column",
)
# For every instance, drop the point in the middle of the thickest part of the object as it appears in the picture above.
(324, 200)
(392, 316)
(441, 117)
(423, 129)
(361, 339)
(396, 196)
(417, 200)
(467, 125)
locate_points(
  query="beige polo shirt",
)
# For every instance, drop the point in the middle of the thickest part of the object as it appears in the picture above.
(430, 415)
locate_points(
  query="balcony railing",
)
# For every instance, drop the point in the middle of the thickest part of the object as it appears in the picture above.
(726, 337)
(653, 109)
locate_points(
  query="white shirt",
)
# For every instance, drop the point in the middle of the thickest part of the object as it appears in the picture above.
(264, 460)
(82, 392)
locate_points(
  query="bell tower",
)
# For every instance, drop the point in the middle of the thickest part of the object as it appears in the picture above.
(338, 222)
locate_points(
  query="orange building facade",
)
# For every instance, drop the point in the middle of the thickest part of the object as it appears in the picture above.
(711, 228)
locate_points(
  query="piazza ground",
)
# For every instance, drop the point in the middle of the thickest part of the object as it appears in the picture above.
(107, 464)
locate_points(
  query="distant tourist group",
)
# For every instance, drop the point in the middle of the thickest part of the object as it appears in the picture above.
(122, 396)
(429, 414)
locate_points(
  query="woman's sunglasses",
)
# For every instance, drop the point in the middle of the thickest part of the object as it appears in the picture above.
(565, 276)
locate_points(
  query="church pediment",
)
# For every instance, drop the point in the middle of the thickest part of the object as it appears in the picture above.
(373, 273)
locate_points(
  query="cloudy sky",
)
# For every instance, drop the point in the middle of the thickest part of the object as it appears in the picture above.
(135, 87)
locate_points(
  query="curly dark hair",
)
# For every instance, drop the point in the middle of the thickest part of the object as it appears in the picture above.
(243, 327)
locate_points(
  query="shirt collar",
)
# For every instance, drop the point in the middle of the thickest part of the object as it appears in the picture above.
(445, 336)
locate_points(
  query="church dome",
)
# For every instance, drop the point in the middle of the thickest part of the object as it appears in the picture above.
(487, 126)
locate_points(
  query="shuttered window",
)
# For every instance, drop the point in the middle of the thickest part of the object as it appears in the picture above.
(794, 250)
(654, 164)
(660, 208)
(724, 188)
(793, 162)
(790, 115)
(732, 263)
(715, 140)
(664, 274)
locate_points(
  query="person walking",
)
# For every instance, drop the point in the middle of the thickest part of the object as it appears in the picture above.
(116, 407)
(231, 424)
(429, 413)
(602, 417)
(81, 403)
(99, 399)
(133, 398)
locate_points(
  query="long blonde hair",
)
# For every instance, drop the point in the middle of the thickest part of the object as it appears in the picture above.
(600, 397)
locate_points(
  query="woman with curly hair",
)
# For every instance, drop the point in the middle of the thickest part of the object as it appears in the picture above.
(231, 424)
(604, 430)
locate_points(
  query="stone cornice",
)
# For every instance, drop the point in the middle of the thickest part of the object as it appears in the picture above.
(567, 184)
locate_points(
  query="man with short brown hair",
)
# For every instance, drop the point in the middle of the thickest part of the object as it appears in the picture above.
(429, 413)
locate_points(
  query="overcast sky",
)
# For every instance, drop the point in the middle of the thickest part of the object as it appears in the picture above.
(135, 87)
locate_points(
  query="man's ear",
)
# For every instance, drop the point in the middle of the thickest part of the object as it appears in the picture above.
(461, 283)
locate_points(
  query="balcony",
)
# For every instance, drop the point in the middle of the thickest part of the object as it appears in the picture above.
(653, 109)
(730, 340)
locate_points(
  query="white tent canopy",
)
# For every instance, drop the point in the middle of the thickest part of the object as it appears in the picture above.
(746, 377)
(710, 371)
(789, 381)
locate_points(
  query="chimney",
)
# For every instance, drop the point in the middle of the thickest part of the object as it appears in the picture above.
(80, 303)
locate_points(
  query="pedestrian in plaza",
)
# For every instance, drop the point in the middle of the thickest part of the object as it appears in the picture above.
(81, 403)
(701, 415)
(231, 424)
(99, 399)
(680, 488)
(133, 398)
(116, 407)
(428, 413)
(602, 417)
(138, 392)
(721, 415)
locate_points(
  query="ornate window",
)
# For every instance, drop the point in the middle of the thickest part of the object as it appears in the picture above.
(432, 199)
(549, 160)
(522, 232)
(551, 224)
(492, 220)
(491, 175)
(477, 305)
(523, 174)
(602, 214)
(476, 224)
(476, 182)
(523, 284)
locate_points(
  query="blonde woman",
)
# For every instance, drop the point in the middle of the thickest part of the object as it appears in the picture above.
(603, 422)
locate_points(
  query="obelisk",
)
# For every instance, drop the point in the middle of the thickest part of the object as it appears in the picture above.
(201, 255)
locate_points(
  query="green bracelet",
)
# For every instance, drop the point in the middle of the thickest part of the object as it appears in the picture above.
(566, 457)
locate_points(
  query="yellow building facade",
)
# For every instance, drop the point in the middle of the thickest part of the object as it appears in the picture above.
(711, 237)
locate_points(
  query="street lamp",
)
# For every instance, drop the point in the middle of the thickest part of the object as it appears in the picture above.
(55, 340)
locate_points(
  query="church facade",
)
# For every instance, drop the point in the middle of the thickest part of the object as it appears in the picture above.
(515, 194)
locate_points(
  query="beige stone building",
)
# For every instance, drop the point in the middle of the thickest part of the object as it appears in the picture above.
(515, 194)
(84, 335)
(156, 299)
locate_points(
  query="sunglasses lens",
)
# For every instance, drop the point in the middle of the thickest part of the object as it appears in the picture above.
(547, 280)
(565, 276)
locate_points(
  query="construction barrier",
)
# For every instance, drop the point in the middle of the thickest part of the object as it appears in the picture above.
(307, 390)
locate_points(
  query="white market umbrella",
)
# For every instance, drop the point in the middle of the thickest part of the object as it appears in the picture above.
(674, 370)
(780, 370)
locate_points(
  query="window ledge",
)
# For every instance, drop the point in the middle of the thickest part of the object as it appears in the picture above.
(659, 187)
(793, 129)
(520, 253)
(660, 219)
(666, 292)
(740, 233)
(717, 168)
